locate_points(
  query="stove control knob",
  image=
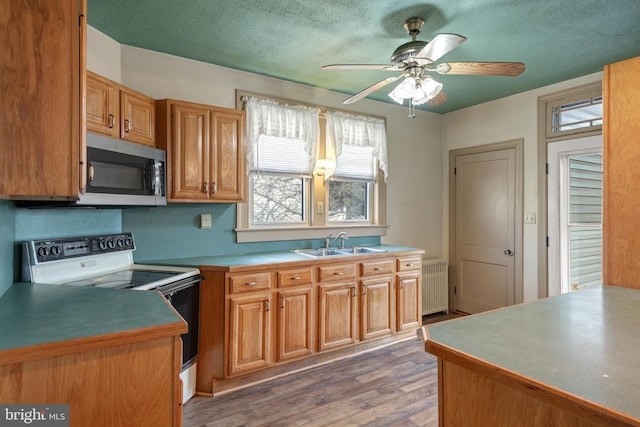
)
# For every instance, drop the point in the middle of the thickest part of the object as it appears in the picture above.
(120, 243)
(55, 250)
(111, 244)
(128, 241)
(102, 245)
(42, 251)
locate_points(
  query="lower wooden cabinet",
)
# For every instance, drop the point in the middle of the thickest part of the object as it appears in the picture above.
(294, 339)
(336, 315)
(408, 306)
(376, 304)
(281, 313)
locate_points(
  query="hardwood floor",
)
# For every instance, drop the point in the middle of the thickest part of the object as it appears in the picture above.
(392, 386)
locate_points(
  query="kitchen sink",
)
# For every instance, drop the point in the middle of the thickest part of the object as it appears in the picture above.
(360, 250)
(325, 252)
(317, 253)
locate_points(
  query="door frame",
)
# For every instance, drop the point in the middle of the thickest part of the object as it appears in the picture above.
(543, 140)
(518, 145)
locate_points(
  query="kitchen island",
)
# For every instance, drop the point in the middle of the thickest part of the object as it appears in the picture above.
(566, 360)
(113, 356)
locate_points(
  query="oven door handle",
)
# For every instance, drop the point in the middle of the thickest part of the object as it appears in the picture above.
(178, 286)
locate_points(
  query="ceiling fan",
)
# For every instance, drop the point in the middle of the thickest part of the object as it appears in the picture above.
(416, 60)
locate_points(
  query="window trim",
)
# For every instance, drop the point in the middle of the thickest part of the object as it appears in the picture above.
(319, 227)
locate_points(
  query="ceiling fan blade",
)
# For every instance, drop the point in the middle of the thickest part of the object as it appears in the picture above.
(361, 67)
(439, 46)
(440, 98)
(486, 68)
(382, 83)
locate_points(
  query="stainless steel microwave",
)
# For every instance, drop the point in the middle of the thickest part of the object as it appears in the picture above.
(122, 173)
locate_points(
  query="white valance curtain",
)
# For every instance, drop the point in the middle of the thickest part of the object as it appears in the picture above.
(347, 130)
(268, 118)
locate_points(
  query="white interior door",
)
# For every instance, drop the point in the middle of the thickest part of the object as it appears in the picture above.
(485, 218)
(558, 154)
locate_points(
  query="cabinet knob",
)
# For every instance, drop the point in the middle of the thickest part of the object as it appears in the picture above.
(268, 305)
(112, 121)
(204, 188)
(296, 278)
(339, 273)
(251, 283)
(127, 125)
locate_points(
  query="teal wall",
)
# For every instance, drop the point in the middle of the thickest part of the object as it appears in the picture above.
(7, 246)
(173, 232)
(160, 233)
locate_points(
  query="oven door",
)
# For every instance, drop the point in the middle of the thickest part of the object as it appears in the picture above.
(184, 296)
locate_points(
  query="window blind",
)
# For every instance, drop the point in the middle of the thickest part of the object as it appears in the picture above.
(281, 155)
(355, 163)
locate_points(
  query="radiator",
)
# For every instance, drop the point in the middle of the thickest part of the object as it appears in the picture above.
(435, 286)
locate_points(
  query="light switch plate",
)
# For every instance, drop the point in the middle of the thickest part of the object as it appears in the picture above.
(319, 208)
(205, 221)
(530, 218)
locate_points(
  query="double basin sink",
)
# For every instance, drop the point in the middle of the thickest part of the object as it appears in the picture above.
(327, 252)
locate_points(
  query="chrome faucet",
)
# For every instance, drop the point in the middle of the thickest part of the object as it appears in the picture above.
(342, 236)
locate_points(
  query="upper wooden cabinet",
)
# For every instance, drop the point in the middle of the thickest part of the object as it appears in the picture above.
(42, 63)
(204, 152)
(119, 112)
(621, 131)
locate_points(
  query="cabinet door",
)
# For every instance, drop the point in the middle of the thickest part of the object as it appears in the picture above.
(102, 106)
(620, 228)
(248, 333)
(227, 161)
(294, 323)
(337, 315)
(409, 301)
(137, 117)
(375, 317)
(42, 64)
(189, 169)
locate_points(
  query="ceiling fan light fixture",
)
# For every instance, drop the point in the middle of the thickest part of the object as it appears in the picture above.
(406, 89)
(427, 89)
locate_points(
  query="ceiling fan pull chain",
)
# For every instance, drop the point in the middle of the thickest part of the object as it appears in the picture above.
(412, 110)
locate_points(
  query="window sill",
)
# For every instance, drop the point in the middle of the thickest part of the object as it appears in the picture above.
(271, 234)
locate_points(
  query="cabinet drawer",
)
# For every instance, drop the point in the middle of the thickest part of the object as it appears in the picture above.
(373, 268)
(409, 264)
(294, 277)
(336, 272)
(249, 282)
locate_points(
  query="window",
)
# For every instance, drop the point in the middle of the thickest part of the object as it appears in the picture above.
(576, 114)
(286, 200)
(360, 147)
(279, 182)
(350, 185)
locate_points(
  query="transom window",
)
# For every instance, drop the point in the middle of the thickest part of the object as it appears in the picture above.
(577, 114)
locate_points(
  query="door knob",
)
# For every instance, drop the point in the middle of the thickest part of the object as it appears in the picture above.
(508, 252)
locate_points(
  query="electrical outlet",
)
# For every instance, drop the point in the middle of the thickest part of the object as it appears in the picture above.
(529, 218)
(205, 221)
(319, 208)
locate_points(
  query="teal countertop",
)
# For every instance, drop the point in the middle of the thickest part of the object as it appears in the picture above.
(585, 343)
(39, 314)
(262, 258)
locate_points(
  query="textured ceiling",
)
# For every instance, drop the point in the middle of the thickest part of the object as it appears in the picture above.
(291, 39)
